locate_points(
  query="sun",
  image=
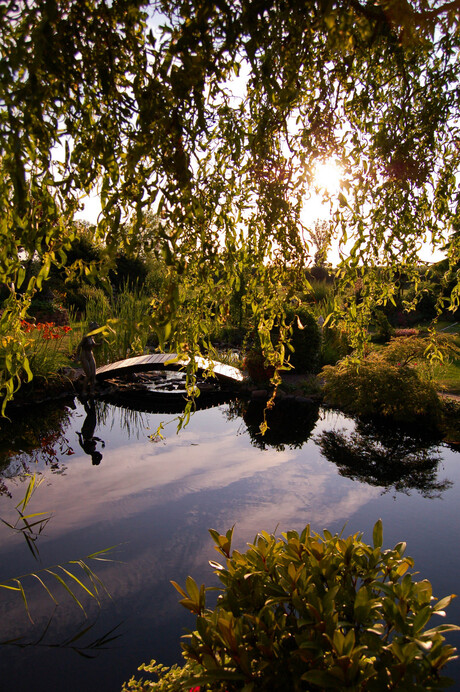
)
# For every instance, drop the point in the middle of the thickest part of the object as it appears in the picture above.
(327, 176)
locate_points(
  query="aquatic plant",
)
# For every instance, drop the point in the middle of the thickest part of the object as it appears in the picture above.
(126, 315)
(63, 575)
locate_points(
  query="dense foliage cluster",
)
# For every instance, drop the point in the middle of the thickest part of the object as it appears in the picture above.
(211, 117)
(393, 382)
(310, 612)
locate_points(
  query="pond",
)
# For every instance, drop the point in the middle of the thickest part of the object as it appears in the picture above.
(154, 498)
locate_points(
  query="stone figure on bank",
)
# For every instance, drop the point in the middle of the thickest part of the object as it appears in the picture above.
(88, 362)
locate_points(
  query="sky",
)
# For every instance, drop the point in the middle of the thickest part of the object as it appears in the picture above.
(327, 177)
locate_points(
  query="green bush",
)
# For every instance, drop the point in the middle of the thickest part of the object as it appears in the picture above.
(129, 273)
(305, 339)
(334, 345)
(310, 612)
(374, 387)
(303, 352)
(383, 329)
(394, 381)
(255, 365)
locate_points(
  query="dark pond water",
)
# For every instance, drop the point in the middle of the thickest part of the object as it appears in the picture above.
(155, 499)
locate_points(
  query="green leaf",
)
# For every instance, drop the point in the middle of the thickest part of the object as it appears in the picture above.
(377, 534)
(421, 619)
(179, 588)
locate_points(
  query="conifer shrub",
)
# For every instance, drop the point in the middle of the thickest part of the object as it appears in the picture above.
(305, 339)
(302, 352)
(310, 612)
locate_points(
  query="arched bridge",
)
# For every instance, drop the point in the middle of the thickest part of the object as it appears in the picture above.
(168, 361)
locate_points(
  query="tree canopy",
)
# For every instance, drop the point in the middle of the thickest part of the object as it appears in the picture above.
(212, 116)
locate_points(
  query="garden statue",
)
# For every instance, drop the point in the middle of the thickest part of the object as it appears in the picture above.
(88, 362)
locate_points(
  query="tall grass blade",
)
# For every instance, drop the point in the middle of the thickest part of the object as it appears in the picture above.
(72, 576)
(94, 579)
(30, 489)
(26, 605)
(69, 591)
(95, 556)
(33, 574)
(31, 545)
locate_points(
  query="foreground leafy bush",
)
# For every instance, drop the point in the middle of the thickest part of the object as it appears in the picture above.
(310, 612)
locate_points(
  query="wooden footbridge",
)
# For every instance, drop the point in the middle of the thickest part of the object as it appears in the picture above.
(168, 361)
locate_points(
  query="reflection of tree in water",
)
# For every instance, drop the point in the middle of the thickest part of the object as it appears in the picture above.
(290, 422)
(33, 435)
(385, 457)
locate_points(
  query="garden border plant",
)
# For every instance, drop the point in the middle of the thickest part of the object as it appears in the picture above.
(395, 381)
(308, 612)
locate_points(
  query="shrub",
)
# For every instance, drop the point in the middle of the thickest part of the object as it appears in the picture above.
(305, 340)
(256, 367)
(383, 329)
(375, 387)
(304, 350)
(310, 612)
(334, 345)
(395, 381)
(130, 272)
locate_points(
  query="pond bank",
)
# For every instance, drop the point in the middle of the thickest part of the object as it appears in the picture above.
(301, 388)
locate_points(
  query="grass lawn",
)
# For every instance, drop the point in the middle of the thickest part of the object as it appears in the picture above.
(448, 377)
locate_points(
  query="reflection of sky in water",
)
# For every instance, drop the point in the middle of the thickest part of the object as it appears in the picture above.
(156, 500)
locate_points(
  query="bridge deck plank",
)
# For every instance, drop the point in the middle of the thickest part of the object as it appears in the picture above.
(170, 361)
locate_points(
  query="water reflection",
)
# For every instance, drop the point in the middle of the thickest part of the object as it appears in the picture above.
(86, 437)
(84, 641)
(157, 501)
(290, 422)
(31, 439)
(388, 457)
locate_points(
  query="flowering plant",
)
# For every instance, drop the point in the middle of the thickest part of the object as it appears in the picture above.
(45, 346)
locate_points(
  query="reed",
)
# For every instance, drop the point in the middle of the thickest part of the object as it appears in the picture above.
(125, 315)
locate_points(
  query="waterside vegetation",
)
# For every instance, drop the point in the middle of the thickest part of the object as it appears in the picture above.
(307, 612)
(203, 192)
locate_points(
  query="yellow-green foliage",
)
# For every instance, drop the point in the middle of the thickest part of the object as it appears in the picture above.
(394, 381)
(310, 612)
